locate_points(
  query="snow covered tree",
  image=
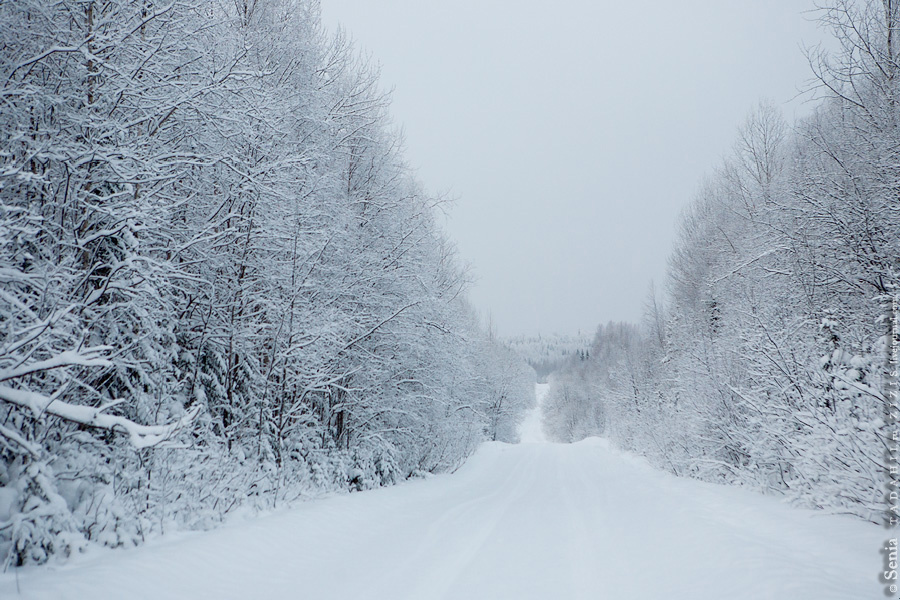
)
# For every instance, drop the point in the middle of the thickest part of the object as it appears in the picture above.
(219, 282)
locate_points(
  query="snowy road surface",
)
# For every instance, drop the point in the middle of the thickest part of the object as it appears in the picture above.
(531, 521)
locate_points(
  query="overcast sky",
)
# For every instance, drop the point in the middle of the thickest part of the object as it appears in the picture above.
(571, 133)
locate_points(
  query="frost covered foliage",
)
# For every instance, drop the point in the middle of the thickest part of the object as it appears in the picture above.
(219, 283)
(763, 364)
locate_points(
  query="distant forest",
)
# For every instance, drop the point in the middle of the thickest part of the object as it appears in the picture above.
(547, 353)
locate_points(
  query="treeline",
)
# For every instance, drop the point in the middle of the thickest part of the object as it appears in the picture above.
(220, 285)
(547, 353)
(763, 363)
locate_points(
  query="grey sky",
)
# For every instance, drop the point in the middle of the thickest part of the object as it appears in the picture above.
(572, 133)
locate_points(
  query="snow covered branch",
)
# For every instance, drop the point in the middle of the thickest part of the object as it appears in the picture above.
(141, 436)
(89, 357)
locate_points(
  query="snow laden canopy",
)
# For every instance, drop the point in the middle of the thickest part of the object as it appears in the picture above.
(219, 283)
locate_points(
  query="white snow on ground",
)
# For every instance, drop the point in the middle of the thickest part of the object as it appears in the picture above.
(530, 521)
(531, 431)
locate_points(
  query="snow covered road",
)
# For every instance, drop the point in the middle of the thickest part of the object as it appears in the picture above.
(530, 521)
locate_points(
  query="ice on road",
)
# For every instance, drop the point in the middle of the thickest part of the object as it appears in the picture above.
(527, 521)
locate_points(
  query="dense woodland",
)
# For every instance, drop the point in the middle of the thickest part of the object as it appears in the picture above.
(220, 285)
(763, 361)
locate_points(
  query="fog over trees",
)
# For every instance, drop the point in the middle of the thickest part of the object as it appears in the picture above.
(762, 361)
(220, 284)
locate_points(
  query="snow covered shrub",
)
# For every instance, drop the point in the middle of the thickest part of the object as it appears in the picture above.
(39, 524)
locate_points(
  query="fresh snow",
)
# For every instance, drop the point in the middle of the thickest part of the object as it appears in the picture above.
(528, 521)
(531, 431)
